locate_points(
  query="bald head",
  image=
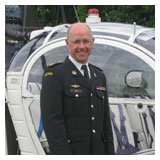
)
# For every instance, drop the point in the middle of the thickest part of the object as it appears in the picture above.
(78, 27)
(79, 42)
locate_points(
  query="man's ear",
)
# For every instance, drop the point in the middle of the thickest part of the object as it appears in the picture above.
(67, 43)
(93, 42)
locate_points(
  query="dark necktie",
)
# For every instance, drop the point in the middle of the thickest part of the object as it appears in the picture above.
(86, 75)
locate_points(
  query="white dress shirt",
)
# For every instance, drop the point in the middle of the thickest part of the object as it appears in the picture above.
(79, 65)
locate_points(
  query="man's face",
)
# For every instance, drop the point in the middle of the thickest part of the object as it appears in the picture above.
(80, 43)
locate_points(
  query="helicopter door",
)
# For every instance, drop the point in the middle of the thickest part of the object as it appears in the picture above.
(31, 87)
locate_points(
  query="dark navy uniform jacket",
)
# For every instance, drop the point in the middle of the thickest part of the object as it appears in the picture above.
(75, 115)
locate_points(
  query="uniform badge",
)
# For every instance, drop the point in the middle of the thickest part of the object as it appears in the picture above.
(48, 74)
(75, 86)
(100, 88)
(74, 72)
(76, 90)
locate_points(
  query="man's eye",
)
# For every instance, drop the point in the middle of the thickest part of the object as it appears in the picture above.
(86, 41)
(76, 42)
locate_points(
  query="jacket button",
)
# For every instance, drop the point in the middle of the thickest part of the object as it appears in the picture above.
(92, 105)
(94, 131)
(103, 97)
(91, 94)
(93, 118)
(69, 141)
(76, 95)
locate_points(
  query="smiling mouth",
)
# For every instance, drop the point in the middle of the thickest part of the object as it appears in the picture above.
(82, 54)
(82, 51)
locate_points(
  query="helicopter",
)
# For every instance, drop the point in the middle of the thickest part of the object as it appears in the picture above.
(125, 53)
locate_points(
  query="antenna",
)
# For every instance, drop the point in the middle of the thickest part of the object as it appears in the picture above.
(76, 13)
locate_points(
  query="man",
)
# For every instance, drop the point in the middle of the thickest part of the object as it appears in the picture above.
(74, 102)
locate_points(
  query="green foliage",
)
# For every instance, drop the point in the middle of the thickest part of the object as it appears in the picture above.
(141, 14)
(82, 12)
(47, 15)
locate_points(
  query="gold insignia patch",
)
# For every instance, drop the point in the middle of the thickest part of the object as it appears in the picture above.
(75, 86)
(48, 74)
(74, 72)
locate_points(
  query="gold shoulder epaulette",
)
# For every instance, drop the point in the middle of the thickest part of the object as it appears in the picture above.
(53, 64)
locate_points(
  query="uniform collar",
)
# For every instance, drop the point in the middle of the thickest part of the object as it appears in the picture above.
(80, 79)
(77, 64)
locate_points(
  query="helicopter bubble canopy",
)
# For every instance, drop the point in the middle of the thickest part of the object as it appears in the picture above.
(111, 53)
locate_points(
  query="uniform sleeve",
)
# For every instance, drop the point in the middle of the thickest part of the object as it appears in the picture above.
(107, 125)
(52, 115)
